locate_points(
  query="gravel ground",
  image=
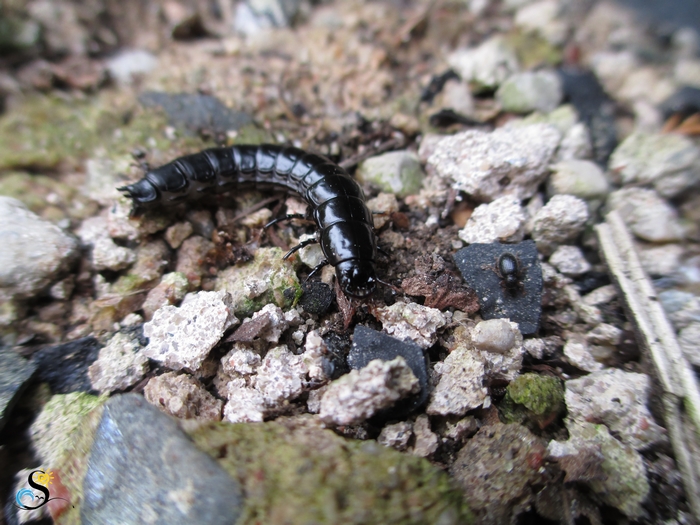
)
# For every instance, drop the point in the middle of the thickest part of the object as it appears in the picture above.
(494, 376)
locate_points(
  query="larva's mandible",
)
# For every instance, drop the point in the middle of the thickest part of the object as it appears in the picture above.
(345, 226)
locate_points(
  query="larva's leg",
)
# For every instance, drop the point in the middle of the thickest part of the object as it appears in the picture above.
(316, 270)
(300, 246)
(284, 218)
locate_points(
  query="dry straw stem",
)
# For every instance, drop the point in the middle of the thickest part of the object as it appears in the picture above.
(681, 394)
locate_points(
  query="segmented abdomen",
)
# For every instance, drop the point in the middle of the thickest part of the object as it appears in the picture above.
(337, 201)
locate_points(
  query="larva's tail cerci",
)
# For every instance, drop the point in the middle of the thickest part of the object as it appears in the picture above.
(337, 203)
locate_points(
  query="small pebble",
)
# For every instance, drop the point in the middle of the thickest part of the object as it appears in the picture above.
(357, 396)
(580, 178)
(181, 337)
(397, 435)
(182, 396)
(177, 233)
(647, 215)
(119, 365)
(530, 91)
(397, 172)
(578, 352)
(502, 220)
(426, 441)
(411, 322)
(562, 219)
(569, 260)
(487, 65)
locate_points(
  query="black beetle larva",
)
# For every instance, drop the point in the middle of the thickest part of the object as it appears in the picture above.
(337, 203)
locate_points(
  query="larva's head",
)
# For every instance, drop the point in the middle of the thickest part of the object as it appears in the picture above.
(356, 278)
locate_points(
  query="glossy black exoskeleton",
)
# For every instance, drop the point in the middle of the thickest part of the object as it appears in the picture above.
(508, 269)
(345, 225)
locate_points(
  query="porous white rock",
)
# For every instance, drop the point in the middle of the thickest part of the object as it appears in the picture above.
(560, 220)
(512, 160)
(119, 365)
(502, 220)
(181, 337)
(411, 322)
(619, 400)
(357, 396)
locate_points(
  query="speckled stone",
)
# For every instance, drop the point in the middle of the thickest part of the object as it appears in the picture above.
(137, 446)
(15, 373)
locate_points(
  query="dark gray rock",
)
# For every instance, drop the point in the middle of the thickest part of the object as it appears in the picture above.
(521, 304)
(15, 373)
(317, 299)
(369, 344)
(195, 112)
(595, 108)
(143, 469)
(65, 367)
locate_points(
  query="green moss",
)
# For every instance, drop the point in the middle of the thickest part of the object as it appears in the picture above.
(270, 276)
(533, 397)
(62, 435)
(532, 50)
(310, 475)
(34, 191)
(252, 134)
(46, 131)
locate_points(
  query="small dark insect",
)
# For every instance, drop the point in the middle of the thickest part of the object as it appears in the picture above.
(336, 201)
(508, 269)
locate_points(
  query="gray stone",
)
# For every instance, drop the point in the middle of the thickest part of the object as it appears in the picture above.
(15, 373)
(177, 233)
(562, 219)
(495, 471)
(530, 91)
(580, 178)
(543, 18)
(619, 400)
(668, 161)
(127, 66)
(487, 65)
(396, 435)
(512, 160)
(662, 260)
(495, 336)
(502, 220)
(397, 172)
(137, 446)
(106, 255)
(689, 339)
(254, 16)
(195, 111)
(119, 365)
(281, 377)
(616, 472)
(34, 251)
(578, 353)
(602, 295)
(569, 260)
(460, 386)
(647, 215)
(182, 396)
(426, 441)
(576, 144)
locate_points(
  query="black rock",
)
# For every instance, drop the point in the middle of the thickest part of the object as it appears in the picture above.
(15, 374)
(595, 108)
(522, 303)
(369, 344)
(685, 102)
(143, 469)
(317, 299)
(64, 367)
(196, 112)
